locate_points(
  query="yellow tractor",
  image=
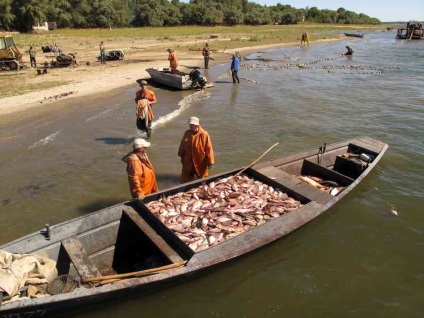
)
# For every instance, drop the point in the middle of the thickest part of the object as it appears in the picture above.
(10, 56)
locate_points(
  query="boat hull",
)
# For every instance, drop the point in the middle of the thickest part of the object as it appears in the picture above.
(103, 232)
(179, 80)
(355, 35)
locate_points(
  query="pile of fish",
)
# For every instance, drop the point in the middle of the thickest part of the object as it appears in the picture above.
(212, 213)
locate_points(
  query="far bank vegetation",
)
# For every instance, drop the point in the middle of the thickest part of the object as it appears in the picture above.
(22, 15)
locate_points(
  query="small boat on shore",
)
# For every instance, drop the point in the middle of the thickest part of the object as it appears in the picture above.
(136, 245)
(356, 35)
(214, 36)
(177, 79)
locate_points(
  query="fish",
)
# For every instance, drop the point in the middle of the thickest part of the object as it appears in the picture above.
(196, 205)
(167, 201)
(311, 182)
(249, 222)
(212, 213)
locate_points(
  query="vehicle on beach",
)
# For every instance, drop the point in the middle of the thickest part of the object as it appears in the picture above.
(10, 56)
(136, 245)
(355, 35)
(177, 79)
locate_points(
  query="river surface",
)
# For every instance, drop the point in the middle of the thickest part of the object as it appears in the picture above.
(356, 260)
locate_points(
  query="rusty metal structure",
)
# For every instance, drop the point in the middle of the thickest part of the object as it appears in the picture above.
(64, 60)
(413, 31)
(10, 56)
(113, 55)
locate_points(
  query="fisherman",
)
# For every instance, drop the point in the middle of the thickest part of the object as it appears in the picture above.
(102, 53)
(305, 39)
(235, 65)
(55, 49)
(145, 98)
(196, 152)
(141, 174)
(173, 61)
(32, 53)
(349, 51)
(206, 55)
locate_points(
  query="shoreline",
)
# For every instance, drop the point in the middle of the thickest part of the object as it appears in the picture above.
(113, 75)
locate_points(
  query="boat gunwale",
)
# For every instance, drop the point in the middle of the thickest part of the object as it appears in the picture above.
(197, 261)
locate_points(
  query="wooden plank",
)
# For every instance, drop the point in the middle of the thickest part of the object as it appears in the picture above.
(312, 193)
(296, 185)
(167, 250)
(328, 174)
(279, 176)
(376, 144)
(79, 258)
(373, 148)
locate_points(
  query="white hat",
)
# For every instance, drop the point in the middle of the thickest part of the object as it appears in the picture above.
(140, 142)
(194, 121)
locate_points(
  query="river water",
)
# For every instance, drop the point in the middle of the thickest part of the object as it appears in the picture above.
(356, 260)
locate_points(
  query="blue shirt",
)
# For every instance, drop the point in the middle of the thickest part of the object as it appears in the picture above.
(235, 64)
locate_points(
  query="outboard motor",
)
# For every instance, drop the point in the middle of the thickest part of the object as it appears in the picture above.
(197, 79)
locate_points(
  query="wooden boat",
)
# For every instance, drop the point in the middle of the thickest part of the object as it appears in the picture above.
(356, 35)
(214, 36)
(178, 79)
(115, 239)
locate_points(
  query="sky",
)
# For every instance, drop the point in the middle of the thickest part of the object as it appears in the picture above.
(384, 10)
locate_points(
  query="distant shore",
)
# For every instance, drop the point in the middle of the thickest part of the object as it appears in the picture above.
(90, 78)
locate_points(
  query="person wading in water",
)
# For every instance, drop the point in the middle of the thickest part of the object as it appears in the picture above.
(144, 99)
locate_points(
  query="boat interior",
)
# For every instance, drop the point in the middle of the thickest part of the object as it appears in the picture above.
(129, 237)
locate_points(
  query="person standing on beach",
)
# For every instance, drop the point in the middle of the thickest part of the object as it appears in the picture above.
(144, 99)
(206, 55)
(32, 53)
(235, 65)
(102, 53)
(196, 152)
(173, 60)
(141, 174)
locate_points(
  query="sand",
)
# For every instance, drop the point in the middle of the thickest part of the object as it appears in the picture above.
(95, 78)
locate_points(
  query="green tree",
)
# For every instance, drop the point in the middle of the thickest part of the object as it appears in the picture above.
(6, 16)
(233, 16)
(60, 12)
(28, 13)
(253, 17)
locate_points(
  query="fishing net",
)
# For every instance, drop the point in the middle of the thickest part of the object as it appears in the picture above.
(62, 284)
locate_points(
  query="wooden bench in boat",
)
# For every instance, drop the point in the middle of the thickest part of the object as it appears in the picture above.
(83, 264)
(296, 185)
(160, 243)
(317, 170)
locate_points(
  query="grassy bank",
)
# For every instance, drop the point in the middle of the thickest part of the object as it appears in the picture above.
(238, 35)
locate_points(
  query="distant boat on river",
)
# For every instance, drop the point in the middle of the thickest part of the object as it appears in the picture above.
(356, 35)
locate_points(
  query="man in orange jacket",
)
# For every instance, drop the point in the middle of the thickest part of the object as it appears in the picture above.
(196, 152)
(141, 174)
(144, 99)
(173, 60)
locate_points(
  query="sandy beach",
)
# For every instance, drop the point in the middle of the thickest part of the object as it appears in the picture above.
(90, 77)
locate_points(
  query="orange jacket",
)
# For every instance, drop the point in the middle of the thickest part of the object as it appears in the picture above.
(141, 174)
(173, 60)
(196, 152)
(149, 95)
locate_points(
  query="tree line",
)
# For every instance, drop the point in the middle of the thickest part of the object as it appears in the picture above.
(21, 15)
